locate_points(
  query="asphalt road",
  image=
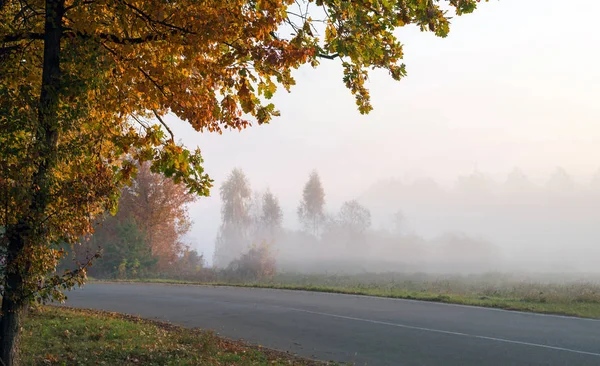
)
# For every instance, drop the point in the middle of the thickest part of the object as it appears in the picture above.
(358, 329)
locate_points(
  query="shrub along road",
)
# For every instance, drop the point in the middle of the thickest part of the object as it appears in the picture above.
(358, 329)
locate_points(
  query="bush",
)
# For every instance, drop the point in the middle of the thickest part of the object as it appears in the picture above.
(257, 264)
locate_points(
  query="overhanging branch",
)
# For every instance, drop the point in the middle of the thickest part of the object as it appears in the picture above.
(152, 37)
(106, 37)
(154, 22)
(330, 57)
(159, 118)
(129, 40)
(21, 37)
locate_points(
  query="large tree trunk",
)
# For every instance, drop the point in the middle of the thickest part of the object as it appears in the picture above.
(10, 328)
(12, 305)
(29, 230)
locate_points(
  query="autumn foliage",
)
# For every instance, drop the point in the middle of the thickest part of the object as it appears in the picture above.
(146, 234)
(84, 86)
(159, 207)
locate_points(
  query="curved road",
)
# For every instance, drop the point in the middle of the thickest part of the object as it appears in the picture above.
(358, 329)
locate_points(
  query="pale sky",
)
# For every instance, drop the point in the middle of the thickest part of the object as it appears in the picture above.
(515, 84)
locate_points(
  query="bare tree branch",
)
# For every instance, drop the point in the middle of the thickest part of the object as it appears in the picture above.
(129, 40)
(21, 37)
(153, 22)
(330, 57)
(78, 3)
(159, 118)
(126, 40)
(4, 51)
(142, 123)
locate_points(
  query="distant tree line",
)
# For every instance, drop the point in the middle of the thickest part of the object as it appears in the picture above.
(250, 224)
(144, 238)
(252, 241)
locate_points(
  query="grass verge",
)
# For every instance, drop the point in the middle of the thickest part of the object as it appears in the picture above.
(556, 301)
(66, 336)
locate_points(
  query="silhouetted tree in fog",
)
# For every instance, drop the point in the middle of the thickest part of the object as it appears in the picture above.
(310, 211)
(232, 239)
(267, 217)
(354, 217)
(272, 216)
(255, 212)
(347, 230)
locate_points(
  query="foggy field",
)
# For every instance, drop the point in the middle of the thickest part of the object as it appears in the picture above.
(567, 294)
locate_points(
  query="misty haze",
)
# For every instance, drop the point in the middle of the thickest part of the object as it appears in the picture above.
(476, 224)
(264, 182)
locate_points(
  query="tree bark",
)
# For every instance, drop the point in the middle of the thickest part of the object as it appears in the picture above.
(12, 306)
(28, 230)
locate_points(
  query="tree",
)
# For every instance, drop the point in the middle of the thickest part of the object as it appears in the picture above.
(265, 213)
(125, 250)
(311, 210)
(159, 207)
(266, 218)
(272, 216)
(346, 230)
(232, 239)
(77, 94)
(354, 217)
(255, 211)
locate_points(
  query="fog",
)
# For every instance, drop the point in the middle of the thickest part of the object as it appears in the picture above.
(474, 225)
(546, 227)
(442, 147)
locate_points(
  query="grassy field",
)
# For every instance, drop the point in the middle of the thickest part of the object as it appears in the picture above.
(64, 336)
(551, 294)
